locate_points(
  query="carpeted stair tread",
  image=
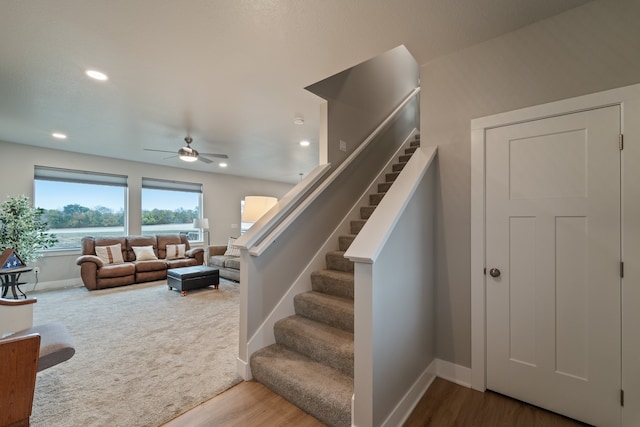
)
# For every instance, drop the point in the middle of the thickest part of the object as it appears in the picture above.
(356, 225)
(415, 143)
(383, 187)
(376, 198)
(366, 211)
(336, 261)
(317, 341)
(404, 158)
(317, 389)
(398, 167)
(391, 176)
(333, 282)
(410, 150)
(328, 309)
(345, 240)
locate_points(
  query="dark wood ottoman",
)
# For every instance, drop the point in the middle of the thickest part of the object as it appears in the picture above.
(187, 278)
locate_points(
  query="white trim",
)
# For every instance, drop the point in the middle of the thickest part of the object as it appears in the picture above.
(457, 374)
(478, 132)
(367, 246)
(53, 284)
(243, 369)
(412, 397)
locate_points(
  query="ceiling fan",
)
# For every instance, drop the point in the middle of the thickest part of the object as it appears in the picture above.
(189, 154)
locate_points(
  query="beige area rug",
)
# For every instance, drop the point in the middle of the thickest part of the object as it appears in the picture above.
(144, 354)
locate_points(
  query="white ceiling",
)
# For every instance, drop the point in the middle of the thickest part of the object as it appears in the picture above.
(230, 73)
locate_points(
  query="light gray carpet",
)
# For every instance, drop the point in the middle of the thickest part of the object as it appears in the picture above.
(144, 354)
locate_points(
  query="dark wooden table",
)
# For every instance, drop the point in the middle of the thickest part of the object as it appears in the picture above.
(11, 280)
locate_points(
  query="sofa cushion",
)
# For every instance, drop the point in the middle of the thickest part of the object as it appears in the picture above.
(181, 262)
(110, 254)
(164, 240)
(175, 251)
(144, 253)
(150, 265)
(116, 270)
(231, 251)
(232, 263)
(218, 260)
(139, 241)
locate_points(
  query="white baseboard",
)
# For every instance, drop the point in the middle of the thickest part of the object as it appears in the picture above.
(51, 285)
(409, 401)
(437, 368)
(243, 369)
(455, 373)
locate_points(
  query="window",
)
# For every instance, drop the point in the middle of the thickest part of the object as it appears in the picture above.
(171, 207)
(79, 203)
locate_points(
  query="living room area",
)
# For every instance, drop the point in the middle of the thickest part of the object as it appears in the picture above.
(171, 114)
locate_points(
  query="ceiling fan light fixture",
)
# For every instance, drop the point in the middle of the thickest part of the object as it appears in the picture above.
(188, 154)
(222, 165)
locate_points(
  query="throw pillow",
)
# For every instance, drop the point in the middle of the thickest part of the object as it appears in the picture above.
(110, 254)
(175, 251)
(231, 251)
(144, 253)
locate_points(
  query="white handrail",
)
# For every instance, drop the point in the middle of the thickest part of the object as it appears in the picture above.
(371, 239)
(281, 209)
(274, 233)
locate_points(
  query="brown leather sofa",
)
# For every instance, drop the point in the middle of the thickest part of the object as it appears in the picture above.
(98, 274)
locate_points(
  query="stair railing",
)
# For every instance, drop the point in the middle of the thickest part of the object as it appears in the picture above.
(394, 273)
(269, 228)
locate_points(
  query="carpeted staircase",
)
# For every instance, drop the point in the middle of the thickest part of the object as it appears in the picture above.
(311, 364)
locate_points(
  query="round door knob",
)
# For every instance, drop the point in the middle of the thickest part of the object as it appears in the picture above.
(494, 272)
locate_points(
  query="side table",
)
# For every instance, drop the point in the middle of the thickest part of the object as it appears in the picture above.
(11, 280)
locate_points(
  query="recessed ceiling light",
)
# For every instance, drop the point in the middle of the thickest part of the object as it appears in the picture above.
(97, 75)
(223, 165)
(58, 135)
(299, 120)
(304, 143)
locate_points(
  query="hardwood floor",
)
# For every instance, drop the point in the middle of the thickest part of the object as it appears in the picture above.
(445, 404)
(246, 404)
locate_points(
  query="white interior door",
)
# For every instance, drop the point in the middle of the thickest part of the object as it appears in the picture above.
(553, 232)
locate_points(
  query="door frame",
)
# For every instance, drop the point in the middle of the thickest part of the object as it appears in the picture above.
(629, 100)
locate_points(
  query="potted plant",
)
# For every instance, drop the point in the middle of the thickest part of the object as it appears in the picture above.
(23, 230)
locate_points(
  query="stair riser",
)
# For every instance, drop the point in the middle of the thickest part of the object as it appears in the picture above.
(339, 262)
(297, 338)
(410, 150)
(366, 211)
(279, 375)
(398, 167)
(331, 286)
(356, 226)
(390, 177)
(375, 199)
(341, 318)
(383, 187)
(345, 241)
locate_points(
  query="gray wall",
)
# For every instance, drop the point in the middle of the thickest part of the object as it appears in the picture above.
(588, 49)
(361, 97)
(221, 201)
(403, 302)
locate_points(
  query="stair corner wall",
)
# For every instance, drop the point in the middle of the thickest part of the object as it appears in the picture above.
(394, 257)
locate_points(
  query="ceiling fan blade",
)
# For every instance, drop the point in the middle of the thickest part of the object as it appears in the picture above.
(160, 151)
(218, 156)
(170, 157)
(204, 159)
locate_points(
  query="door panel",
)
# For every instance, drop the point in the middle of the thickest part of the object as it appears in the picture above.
(553, 230)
